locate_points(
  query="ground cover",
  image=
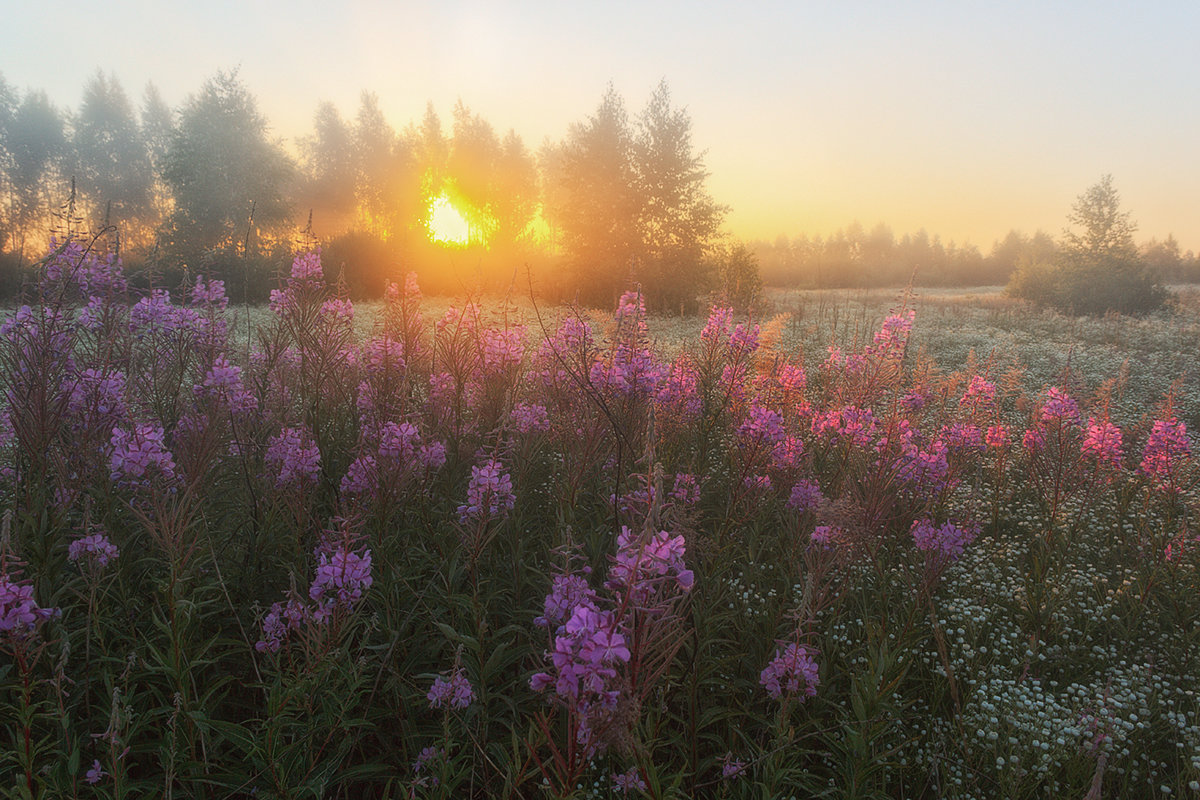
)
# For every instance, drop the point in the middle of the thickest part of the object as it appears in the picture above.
(873, 544)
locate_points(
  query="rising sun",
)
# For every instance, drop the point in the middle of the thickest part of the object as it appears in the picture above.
(446, 224)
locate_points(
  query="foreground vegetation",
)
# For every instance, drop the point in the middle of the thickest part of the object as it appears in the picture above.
(506, 552)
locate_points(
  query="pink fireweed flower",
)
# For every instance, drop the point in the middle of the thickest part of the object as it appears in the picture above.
(223, 383)
(399, 441)
(338, 310)
(280, 621)
(825, 536)
(1102, 442)
(685, 490)
(361, 476)
(806, 496)
(948, 541)
(758, 483)
(94, 548)
(744, 339)
(631, 316)
(489, 494)
(629, 781)
(1059, 407)
(716, 329)
(792, 672)
(382, 355)
(849, 422)
(678, 394)
(761, 426)
(980, 393)
(791, 379)
(294, 458)
(530, 418)
(19, 614)
(959, 436)
(1166, 447)
(732, 767)
(306, 268)
(1033, 440)
(996, 436)
(341, 580)
(209, 293)
(893, 335)
(97, 397)
(140, 454)
(453, 691)
(503, 349)
(567, 592)
(641, 565)
(281, 301)
(95, 773)
(912, 402)
(787, 453)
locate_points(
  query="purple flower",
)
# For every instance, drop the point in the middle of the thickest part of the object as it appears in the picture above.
(454, 690)
(717, 327)
(629, 781)
(1059, 407)
(980, 393)
(306, 268)
(19, 614)
(94, 774)
(530, 418)
(1102, 441)
(279, 622)
(732, 768)
(948, 541)
(139, 454)
(294, 458)
(337, 310)
(341, 579)
(489, 494)
(96, 548)
(210, 293)
(1167, 445)
(792, 671)
(806, 496)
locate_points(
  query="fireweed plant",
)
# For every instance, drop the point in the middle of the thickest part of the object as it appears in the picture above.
(444, 554)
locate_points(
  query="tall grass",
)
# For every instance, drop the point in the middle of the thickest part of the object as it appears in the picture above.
(502, 552)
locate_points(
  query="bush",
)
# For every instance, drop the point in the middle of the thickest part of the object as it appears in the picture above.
(1110, 284)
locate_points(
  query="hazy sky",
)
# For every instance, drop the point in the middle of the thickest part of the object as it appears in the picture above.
(964, 118)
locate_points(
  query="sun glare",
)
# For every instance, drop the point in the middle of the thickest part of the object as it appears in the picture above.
(446, 223)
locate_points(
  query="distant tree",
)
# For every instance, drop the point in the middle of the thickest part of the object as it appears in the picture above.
(373, 140)
(8, 111)
(628, 202)
(36, 145)
(472, 170)
(112, 161)
(1098, 267)
(598, 207)
(678, 220)
(328, 172)
(1164, 258)
(157, 122)
(226, 176)
(741, 285)
(515, 202)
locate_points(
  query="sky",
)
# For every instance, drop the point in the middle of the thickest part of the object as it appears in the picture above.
(966, 119)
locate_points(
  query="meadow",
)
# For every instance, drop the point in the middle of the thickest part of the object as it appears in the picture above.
(869, 545)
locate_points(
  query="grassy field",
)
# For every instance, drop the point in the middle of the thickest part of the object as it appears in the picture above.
(425, 549)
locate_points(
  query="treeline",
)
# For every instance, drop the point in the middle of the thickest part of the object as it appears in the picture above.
(205, 187)
(854, 257)
(621, 199)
